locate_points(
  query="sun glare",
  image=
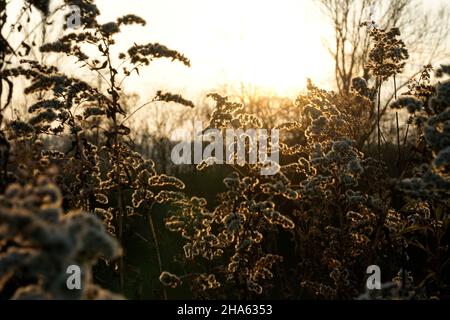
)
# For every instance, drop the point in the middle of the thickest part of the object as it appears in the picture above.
(274, 45)
(278, 46)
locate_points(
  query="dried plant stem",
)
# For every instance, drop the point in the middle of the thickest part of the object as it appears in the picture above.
(120, 236)
(399, 158)
(155, 240)
(121, 214)
(378, 120)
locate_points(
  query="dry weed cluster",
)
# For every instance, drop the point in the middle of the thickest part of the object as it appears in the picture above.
(73, 184)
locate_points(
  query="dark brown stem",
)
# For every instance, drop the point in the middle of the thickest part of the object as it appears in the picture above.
(121, 214)
(155, 240)
(397, 127)
(378, 120)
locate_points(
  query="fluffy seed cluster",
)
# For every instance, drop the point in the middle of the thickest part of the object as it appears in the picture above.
(38, 242)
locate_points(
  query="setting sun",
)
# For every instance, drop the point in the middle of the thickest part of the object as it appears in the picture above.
(275, 46)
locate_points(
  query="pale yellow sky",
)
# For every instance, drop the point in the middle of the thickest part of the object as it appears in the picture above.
(271, 44)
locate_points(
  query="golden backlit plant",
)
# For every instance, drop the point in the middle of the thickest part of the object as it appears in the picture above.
(74, 190)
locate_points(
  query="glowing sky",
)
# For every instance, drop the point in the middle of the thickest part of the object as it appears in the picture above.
(272, 44)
